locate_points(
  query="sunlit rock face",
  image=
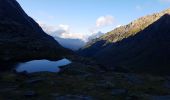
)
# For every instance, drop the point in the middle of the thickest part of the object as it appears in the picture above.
(22, 38)
(141, 46)
(98, 44)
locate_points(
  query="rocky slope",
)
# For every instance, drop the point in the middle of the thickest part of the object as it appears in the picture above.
(146, 50)
(22, 38)
(120, 33)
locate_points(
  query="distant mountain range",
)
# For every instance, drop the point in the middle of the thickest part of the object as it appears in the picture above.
(76, 44)
(141, 46)
(95, 35)
(22, 38)
(73, 44)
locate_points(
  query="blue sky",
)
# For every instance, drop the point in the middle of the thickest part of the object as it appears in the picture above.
(81, 15)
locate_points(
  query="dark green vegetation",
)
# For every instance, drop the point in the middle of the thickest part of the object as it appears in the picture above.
(82, 80)
(141, 46)
(82, 84)
(21, 37)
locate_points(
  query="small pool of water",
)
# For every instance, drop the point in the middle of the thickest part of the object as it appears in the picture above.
(42, 66)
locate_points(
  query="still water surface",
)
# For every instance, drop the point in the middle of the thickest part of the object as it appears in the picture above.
(42, 66)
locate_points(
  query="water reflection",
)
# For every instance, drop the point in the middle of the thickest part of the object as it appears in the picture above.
(42, 65)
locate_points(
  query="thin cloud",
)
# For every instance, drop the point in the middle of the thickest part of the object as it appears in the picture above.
(104, 21)
(62, 31)
(139, 7)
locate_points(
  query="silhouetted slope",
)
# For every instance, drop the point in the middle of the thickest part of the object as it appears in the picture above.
(22, 38)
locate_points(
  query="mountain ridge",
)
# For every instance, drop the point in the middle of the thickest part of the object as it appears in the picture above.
(147, 51)
(22, 38)
(120, 33)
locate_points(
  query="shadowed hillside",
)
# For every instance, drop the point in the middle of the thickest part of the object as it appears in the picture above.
(22, 38)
